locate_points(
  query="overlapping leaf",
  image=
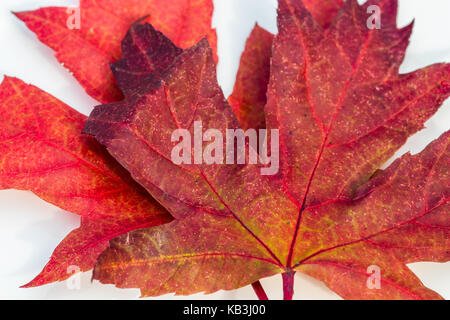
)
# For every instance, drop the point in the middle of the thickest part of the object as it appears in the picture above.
(87, 51)
(42, 150)
(342, 110)
(249, 94)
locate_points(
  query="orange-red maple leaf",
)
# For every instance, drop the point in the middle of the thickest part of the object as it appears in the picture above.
(342, 109)
(88, 49)
(42, 150)
(249, 94)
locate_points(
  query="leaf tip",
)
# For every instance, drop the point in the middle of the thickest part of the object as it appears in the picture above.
(21, 15)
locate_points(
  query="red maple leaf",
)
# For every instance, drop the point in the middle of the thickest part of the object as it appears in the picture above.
(87, 51)
(342, 109)
(249, 95)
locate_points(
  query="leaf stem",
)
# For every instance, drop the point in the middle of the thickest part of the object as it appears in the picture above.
(259, 290)
(288, 285)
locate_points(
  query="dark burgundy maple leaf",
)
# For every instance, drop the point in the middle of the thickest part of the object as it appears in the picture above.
(342, 109)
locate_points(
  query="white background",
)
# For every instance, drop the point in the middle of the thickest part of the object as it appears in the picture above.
(30, 228)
